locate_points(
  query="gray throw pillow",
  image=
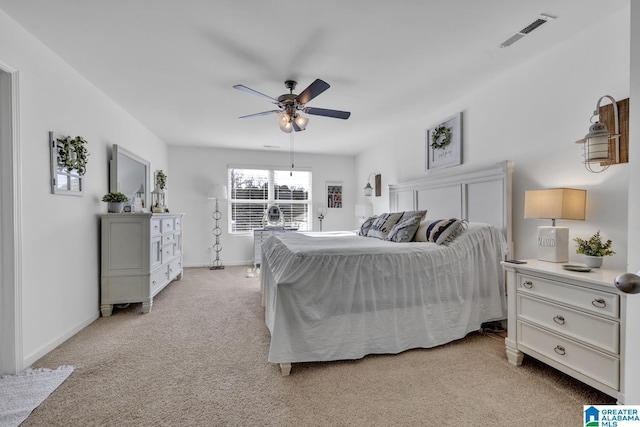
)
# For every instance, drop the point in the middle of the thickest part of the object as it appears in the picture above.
(383, 225)
(366, 225)
(405, 229)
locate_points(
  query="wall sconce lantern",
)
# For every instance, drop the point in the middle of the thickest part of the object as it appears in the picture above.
(368, 189)
(595, 144)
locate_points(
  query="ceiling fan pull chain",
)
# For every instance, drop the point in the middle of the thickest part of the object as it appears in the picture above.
(291, 153)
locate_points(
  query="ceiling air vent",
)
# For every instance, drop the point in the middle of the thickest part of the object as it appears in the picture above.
(542, 19)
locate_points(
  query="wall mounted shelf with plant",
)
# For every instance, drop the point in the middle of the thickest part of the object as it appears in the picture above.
(68, 164)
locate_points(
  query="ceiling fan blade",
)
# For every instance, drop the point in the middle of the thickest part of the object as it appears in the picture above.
(264, 113)
(243, 88)
(313, 90)
(328, 113)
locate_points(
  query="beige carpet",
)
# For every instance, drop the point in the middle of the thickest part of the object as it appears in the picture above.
(200, 359)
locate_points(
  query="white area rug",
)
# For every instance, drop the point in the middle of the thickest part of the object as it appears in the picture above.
(22, 393)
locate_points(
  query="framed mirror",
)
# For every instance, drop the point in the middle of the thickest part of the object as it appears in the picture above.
(129, 174)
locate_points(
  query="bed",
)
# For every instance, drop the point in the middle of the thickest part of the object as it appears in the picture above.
(337, 296)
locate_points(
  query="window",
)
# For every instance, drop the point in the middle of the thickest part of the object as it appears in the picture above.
(253, 190)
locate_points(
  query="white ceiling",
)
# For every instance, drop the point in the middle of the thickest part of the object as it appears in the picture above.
(172, 64)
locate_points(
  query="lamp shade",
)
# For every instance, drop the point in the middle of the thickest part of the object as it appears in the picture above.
(217, 191)
(555, 203)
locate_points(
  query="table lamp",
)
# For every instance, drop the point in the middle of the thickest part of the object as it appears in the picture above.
(553, 204)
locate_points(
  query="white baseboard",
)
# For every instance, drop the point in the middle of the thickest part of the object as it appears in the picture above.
(34, 357)
(229, 264)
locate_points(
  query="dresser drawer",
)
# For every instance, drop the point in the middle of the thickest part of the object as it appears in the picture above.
(167, 238)
(167, 225)
(597, 302)
(168, 253)
(177, 224)
(597, 331)
(175, 268)
(592, 363)
(158, 279)
(155, 227)
(261, 236)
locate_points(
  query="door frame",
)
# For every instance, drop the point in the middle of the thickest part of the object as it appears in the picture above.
(11, 339)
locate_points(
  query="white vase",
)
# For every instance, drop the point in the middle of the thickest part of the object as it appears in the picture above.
(593, 261)
(115, 207)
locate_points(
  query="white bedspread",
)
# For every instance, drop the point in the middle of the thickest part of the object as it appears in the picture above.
(332, 297)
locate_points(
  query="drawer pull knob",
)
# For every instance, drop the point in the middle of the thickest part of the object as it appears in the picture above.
(559, 320)
(560, 350)
(528, 284)
(599, 302)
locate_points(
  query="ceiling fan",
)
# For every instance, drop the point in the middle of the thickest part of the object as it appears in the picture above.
(291, 104)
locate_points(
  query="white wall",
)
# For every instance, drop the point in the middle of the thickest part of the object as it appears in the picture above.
(60, 288)
(194, 169)
(533, 114)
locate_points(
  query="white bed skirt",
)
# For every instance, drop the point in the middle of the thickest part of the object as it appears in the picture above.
(343, 297)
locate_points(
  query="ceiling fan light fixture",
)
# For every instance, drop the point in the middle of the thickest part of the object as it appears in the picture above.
(301, 121)
(284, 121)
(290, 103)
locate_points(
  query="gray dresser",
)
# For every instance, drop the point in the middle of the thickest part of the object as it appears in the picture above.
(141, 254)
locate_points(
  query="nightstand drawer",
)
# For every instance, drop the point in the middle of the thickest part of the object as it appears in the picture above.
(592, 363)
(597, 331)
(591, 300)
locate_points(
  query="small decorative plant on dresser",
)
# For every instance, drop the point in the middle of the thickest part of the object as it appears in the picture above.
(594, 249)
(115, 201)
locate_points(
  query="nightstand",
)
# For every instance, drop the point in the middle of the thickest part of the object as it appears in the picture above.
(262, 234)
(572, 321)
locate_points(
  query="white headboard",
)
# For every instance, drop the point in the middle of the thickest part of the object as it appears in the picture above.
(480, 194)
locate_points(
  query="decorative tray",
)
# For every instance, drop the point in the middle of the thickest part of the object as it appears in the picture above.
(574, 267)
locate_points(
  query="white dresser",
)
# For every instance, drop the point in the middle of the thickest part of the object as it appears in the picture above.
(262, 234)
(572, 321)
(141, 253)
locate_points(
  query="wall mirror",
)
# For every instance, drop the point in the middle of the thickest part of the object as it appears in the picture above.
(129, 174)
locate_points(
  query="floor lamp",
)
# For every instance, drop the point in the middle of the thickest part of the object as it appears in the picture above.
(217, 192)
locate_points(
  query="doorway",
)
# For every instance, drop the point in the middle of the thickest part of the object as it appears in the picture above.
(11, 360)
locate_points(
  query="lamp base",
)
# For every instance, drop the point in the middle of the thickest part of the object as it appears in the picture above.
(553, 244)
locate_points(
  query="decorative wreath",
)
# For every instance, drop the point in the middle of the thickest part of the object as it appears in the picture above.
(440, 132)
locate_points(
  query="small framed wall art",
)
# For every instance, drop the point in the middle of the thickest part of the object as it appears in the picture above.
(334, 194)
(443, 145)
(68, 164)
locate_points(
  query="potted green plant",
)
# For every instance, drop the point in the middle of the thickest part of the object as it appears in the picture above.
(115, 201)
(594, 249)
